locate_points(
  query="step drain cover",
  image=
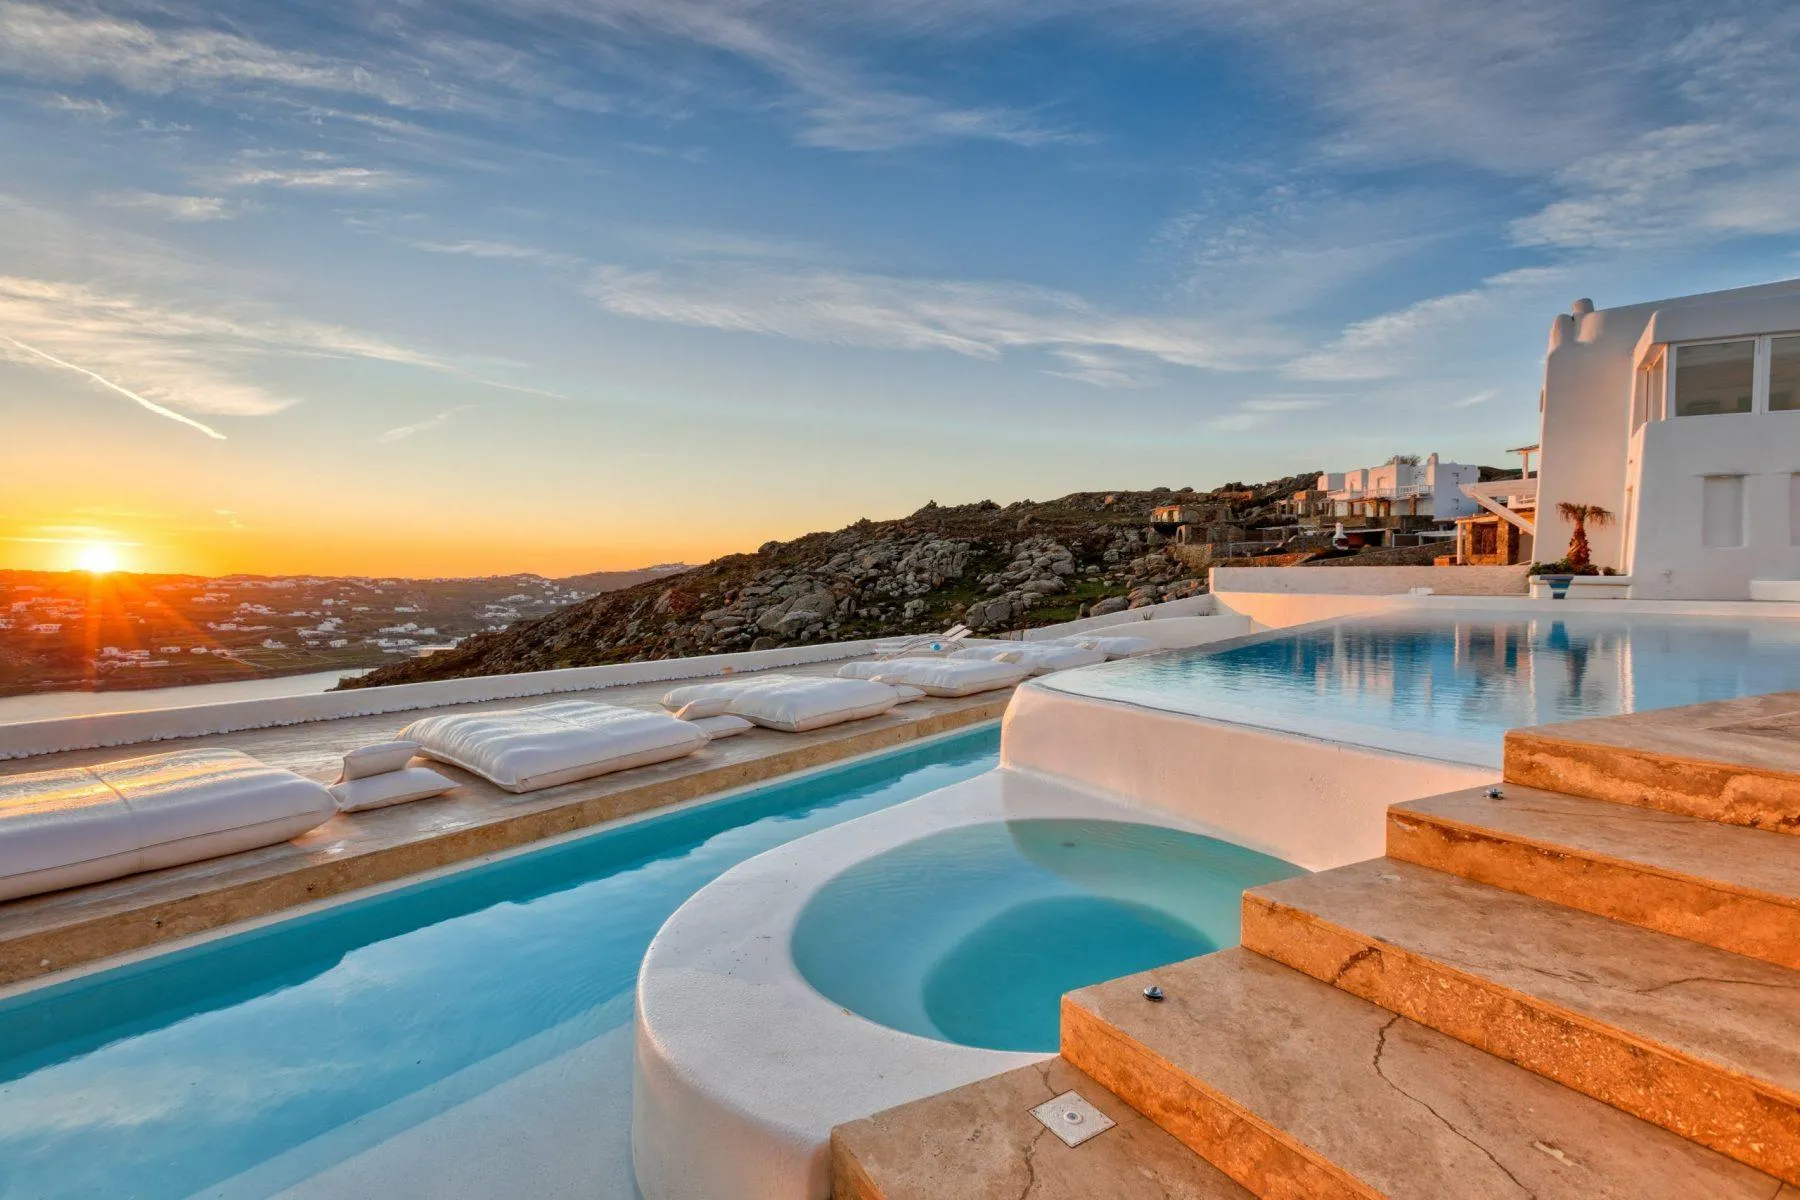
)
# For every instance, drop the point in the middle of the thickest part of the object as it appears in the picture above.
(1072, 1119)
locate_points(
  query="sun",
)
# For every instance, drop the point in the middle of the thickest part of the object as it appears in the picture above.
(97, 558)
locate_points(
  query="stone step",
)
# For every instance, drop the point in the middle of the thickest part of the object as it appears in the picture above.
(980, 1142)
(1735, 888)
(1301, 1091)
(1690, 1037)
(1734, 761)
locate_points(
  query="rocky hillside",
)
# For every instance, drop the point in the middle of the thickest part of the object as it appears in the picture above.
(992, 567)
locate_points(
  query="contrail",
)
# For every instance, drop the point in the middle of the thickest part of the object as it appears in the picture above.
(104, 382)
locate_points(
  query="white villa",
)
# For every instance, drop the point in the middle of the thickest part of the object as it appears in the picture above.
(1675, 417)
(1431, 488)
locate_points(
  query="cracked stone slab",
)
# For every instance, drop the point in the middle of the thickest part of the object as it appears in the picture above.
(981, 1142)
(1698, 1040)
(1735, 761)
(1730, 887)
(1298, 1089)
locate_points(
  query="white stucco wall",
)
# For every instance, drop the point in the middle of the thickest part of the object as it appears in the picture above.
(1369, 581)
(1669, 557)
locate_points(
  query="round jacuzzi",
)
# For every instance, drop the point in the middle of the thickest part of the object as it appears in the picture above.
(971, 935)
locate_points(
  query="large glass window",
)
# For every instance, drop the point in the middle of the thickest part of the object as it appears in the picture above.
(1715, 377)
(1784, 374)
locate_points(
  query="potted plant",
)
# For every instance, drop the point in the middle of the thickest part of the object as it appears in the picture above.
(1579, 560)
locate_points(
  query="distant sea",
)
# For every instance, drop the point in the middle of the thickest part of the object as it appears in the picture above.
(80, 704)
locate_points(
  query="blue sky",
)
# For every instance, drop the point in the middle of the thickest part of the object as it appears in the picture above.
(564, 284)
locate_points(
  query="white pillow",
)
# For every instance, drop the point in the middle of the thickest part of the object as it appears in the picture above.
(1118, 646)
(391, 787)
(524, 749)
(940, 676)
(378, 759)
(907, 694)
(798, 704)
(721, 727)
(699, 710)
(677, 698)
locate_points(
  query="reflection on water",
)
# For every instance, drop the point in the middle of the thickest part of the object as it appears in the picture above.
(1458, 681)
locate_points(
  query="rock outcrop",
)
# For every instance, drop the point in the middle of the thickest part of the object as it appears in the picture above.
(988, 566)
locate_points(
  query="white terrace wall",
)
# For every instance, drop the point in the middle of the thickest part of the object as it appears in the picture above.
(1371, 581)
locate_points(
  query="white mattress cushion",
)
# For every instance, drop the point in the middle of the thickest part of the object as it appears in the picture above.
(1040, 657)
(1115, 645)
(939, 676)
(391, 787)
(723, 726)
(699, 710)
(80, 825)
(679, 698)
(798, 704)
(378, 759)
(523, 749)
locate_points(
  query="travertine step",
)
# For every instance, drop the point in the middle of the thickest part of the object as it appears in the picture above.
(980, 1142)
(1301, 1091)
(1695, 1039)
(1735, 888)
(1735, 761)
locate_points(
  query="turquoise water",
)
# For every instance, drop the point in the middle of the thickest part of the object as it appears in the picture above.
(1449, 685)
(973, 934)
(250, 1063)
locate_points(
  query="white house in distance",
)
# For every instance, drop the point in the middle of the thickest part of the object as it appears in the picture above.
(1681, 418)
(1432, 488)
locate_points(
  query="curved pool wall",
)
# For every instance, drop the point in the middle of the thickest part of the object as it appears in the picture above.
(743, 1067)
(973, 934)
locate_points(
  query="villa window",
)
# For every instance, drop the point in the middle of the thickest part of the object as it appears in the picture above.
(1704, 379)
(1722, 511)
(1715, 377)
(1784, 374)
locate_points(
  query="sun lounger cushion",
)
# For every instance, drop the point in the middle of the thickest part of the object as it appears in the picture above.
(1039, 657)
(378, 759)
(798, 704)
(939, 676)
(1115, 646)
(390, 787)
(83, 824)
(524, 749)
(713, 690)
(723, 726)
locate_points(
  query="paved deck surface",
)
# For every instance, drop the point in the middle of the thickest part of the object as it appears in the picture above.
(44, 934)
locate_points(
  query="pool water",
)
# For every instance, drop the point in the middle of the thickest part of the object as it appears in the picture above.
(1449, 685)
(972, 935)
(254, 1063)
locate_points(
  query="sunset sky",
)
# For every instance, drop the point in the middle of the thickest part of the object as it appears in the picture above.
(562, 285)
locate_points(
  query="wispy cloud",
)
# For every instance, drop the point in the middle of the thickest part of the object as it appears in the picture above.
(1481, 397)
(174, 207)
(1392, 344)
(1258, 411)
(505, 251)
(320, 178)
(402, 432)
(980, 320)
(104, 382)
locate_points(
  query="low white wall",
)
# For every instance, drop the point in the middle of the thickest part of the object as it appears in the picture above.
(1371, 581)
(1173, 633)
(1314, 803)
(27, 738)
(1192, 606)
(1279, 610)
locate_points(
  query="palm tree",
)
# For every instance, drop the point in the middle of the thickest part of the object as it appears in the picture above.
(1581, 515)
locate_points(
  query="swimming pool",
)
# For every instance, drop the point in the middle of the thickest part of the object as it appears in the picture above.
(1449, 684)
(405, 1043)
(971, 935)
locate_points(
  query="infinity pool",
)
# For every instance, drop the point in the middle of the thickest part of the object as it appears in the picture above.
(1449, 685)
(468, 1034)
(973, 934)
